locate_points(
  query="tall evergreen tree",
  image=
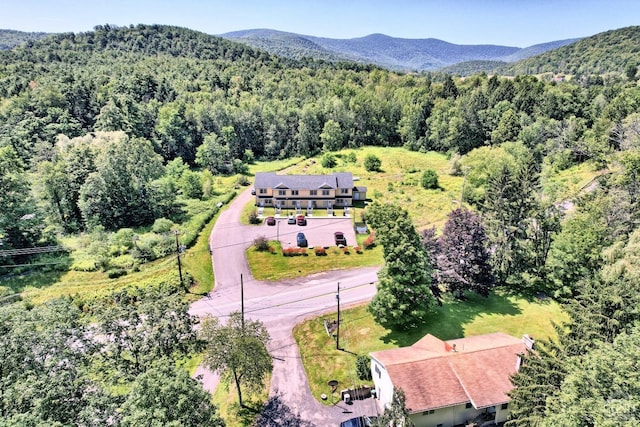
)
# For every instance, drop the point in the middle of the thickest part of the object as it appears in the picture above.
(404, 296)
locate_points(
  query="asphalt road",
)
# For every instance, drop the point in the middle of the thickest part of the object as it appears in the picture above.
(281, 305)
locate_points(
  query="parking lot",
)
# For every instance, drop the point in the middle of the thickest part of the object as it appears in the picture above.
(318, 231)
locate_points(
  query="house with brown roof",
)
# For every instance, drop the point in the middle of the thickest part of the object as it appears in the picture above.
(451, 383)
(307, 191)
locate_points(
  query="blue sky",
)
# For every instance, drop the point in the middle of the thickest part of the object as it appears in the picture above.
(505, 22)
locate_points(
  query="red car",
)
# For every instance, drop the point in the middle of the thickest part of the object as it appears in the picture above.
(270, 220)
(301, 220)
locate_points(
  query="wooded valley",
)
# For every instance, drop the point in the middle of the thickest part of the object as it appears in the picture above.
(116, 135)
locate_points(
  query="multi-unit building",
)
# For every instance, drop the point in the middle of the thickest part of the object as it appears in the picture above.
(451, 383)
(306, 191)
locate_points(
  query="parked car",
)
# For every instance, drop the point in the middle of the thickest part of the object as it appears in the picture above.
(291, 220)
(302, 240)
(364, 421)
(270, 220)
(301, 220)
(340, 239)
(253, 191)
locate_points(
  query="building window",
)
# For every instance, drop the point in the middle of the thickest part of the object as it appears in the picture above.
(282, 192)
(428, 412)
(439, 425)
(268, 201)
(344, 190)
(263, 191)
(314, 192)
(504, 406)
(468, 405)
(325, 192)
(294, 192)
(339, 201)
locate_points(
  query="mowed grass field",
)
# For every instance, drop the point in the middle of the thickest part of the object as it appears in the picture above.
(399, 181)
(360, 334)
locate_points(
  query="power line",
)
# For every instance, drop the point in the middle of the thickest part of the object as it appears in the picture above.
(32, 251)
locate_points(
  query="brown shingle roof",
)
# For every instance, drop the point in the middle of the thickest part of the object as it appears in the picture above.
(433, 375)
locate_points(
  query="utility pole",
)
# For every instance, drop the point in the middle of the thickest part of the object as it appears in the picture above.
(178, 250)
(338, 330)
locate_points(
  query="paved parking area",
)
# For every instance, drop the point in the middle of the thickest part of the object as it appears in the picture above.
(318, 231)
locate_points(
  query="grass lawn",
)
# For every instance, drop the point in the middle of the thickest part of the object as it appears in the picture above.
(226, 399)
(399, 181)
(360, 335)
(275, 266)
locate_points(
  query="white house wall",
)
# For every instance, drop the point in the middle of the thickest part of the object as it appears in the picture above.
(382, 383)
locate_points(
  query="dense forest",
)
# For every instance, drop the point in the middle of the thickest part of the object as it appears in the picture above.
(113, 129)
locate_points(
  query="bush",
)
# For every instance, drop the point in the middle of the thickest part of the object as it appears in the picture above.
(328, 161)
(345, 250)
(320, 251)
(430, 179)
(261, 244)
(358, 249)
(372, 163)
(294, 252)
(162, 225)
(363, 368)
(253, 218)
(115, 273)
(370, 241)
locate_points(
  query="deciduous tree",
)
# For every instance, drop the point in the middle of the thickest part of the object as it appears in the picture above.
(238, 351)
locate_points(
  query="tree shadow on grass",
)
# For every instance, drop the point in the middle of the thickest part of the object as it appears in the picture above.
(447, 322)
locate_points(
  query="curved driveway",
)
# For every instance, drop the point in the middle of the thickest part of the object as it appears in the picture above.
(280, 306)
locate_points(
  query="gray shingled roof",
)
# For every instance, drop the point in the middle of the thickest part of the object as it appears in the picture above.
(302, 182)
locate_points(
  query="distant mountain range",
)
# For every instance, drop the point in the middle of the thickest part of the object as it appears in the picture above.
(614, 51)
(388, 52)
(11, 38)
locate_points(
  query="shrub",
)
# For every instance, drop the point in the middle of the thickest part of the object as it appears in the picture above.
(345, 250)
(430, 179)
(294, 252)
(253, 217)
(115, 273)
(370, 241)
(363, 368)
(162, 225)
(358, 249)
(261, 244)
(320, 251)
(328, 161)
(372, 163)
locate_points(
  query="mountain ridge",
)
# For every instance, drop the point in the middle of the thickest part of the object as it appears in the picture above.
(399, 54)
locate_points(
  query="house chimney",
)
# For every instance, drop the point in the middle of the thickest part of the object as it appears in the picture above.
(519, 361)
(528, 341)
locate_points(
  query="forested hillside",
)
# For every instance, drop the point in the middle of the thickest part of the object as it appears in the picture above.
(118, 134)
(11, 38)
(609, 52)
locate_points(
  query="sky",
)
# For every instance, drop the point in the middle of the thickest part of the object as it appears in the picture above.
(518, 23)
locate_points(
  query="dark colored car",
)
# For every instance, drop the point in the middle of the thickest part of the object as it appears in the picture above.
(270, 220)
(291, 220)
(301, 220)
(302, 240)
(340, 239)
(360, 422)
